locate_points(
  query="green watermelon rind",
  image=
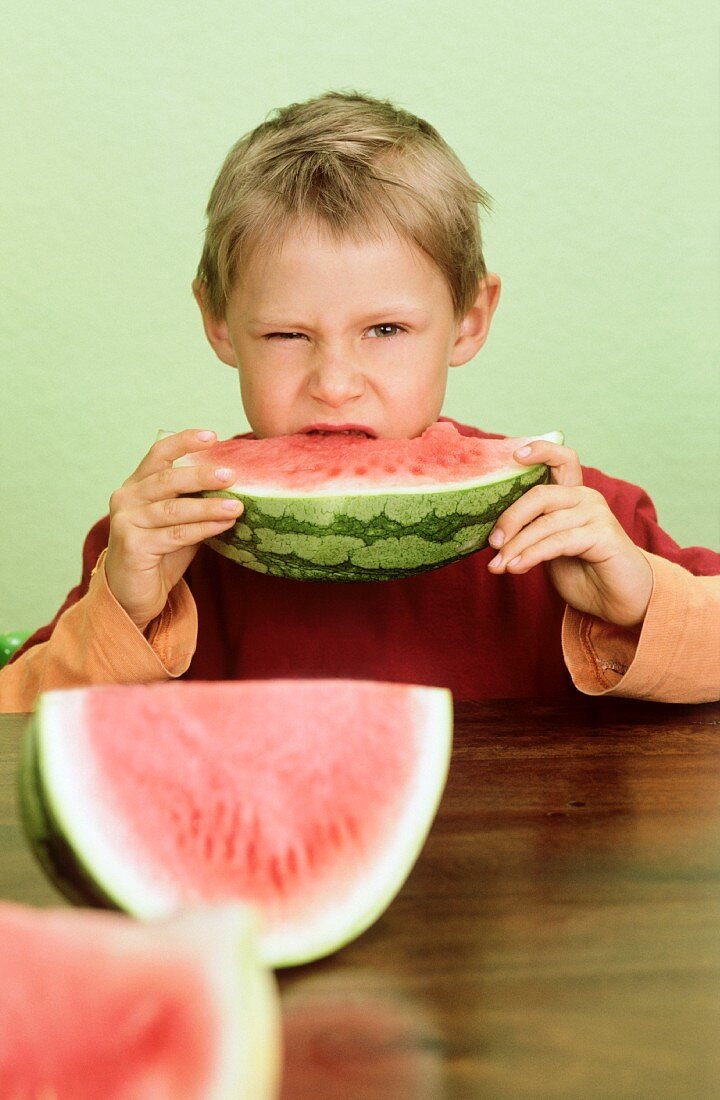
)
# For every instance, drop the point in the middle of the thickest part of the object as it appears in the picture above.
(363, 541)
(86, 873)
(43, 830)
(369, 535)
(78, 858)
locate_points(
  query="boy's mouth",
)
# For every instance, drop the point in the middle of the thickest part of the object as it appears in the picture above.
(339, 429)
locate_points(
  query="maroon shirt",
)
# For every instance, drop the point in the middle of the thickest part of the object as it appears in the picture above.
(483, 636)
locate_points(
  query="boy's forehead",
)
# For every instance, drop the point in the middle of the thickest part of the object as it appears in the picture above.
(380, 274)
(277, 313)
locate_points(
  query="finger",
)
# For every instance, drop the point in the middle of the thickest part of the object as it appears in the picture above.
(563, 461)
(168, 539)
(572, 543)
(187, 510)
(565, 519)
(165, 451)
(541, 499)
(180, 480)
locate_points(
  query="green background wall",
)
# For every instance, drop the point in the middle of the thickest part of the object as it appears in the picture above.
(594, 127)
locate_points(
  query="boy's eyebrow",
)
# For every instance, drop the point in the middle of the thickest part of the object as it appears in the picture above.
(395, 308)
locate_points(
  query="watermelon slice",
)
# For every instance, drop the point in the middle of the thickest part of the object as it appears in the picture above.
(96, 1006)
(348, 508)
(309, 798)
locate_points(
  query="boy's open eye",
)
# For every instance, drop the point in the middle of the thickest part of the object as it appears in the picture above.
(387, 325)
(383, 334)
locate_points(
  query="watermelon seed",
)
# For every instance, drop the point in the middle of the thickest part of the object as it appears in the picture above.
(219, 812)
(360, 470)
(232, 834)
(208, 845)
(291, 860)
(251, 856)
(352, 827)
(230, 847)
(275, 873)
(335, 836)
(309, 853)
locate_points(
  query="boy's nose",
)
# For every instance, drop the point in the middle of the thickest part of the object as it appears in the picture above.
(335, 383)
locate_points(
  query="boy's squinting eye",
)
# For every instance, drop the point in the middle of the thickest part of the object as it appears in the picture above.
(292, 335)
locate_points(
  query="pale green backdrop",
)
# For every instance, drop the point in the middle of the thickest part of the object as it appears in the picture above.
(594, 126)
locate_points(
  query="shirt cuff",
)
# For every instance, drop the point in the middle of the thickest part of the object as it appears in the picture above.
(672, 658)
(168, 644)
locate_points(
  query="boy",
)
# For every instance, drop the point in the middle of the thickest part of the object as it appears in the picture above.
(342, 276)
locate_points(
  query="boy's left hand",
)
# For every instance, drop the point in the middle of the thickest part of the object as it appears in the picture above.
(591, 561)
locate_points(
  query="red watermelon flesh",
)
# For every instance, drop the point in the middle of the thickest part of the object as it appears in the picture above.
(304, 463)
(95, 1006)
(310, 799)
(233, 795)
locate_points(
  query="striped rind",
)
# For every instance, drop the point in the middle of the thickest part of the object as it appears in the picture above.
(368, 537)
(44, 830)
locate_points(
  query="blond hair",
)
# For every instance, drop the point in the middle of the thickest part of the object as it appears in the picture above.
(356, 166)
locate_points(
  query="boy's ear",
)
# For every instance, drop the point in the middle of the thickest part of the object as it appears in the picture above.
(473, 329)
(216, 329)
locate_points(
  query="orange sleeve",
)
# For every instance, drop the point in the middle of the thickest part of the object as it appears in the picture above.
(96, 642)
(673, 658)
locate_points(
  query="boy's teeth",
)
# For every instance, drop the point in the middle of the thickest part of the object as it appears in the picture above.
(344, 431)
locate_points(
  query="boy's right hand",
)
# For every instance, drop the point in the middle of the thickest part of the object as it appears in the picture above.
(155, 531)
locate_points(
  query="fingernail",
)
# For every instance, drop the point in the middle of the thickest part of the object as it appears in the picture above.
(523, 452)
(223, 473)
(496, 539)
(205, 436)
(496, 560)
(515, 561)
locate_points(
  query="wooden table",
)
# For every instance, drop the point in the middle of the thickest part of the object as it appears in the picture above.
(559, 936)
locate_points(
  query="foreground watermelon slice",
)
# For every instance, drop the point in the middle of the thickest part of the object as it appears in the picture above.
(347, 508)
(96, 1006)
(309, 798)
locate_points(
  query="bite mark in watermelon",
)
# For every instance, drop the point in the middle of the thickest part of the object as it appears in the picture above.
(310, 799)
(96, 1006)
(346, 508)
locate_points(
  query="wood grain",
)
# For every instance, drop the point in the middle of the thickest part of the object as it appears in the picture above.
(559, 936)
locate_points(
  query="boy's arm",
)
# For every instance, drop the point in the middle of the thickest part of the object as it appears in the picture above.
(132, 618)
(643, 613)
(95, 642)
(674, 657)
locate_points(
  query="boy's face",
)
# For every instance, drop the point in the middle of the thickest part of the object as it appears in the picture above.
(345, 335)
